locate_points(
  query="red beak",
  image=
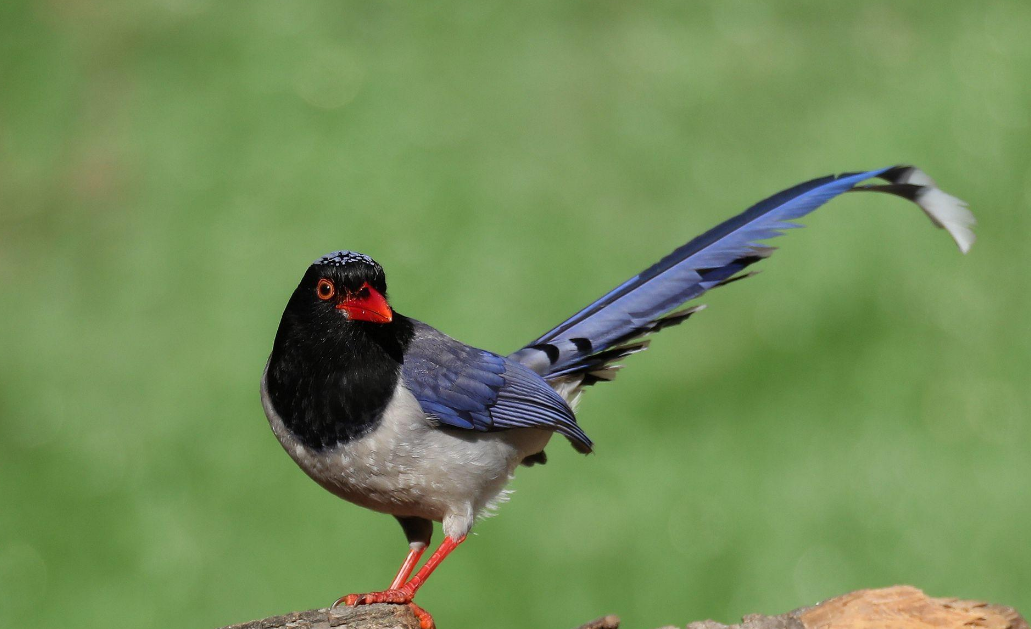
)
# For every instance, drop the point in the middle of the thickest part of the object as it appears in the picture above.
(367, 304)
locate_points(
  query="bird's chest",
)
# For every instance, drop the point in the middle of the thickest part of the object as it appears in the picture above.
(408, 466)
(324, 401)
(370, 467)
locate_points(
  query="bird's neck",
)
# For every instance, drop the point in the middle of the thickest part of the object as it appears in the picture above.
(330, 389)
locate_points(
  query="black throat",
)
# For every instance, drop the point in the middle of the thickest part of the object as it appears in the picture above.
(329, 379)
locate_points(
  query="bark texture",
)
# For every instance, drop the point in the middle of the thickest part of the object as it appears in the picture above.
(898, 607)
(363, 617)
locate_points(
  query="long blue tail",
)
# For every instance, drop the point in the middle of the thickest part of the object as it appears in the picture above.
(590, 341)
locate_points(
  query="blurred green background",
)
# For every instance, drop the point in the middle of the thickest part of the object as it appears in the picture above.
(857, 416)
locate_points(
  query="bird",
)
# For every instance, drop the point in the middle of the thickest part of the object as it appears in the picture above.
(393, 415)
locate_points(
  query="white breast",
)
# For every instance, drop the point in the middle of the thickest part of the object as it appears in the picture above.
(407, 466)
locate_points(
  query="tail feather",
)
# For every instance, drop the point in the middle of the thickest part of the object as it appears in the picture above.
(588, 343)
(601, 365)
(945, 211)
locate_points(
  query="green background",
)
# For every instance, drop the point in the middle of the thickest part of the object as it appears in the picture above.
(856, 416)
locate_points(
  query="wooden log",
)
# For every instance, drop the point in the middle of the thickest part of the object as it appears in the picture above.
(898, 607)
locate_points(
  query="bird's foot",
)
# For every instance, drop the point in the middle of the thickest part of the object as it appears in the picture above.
(425, 620)
(400, 596)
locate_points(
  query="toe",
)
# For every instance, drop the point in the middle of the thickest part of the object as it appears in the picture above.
(425, 620)
(399, 596)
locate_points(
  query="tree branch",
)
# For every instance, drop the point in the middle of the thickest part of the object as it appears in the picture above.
(362, 617)
(898, 607)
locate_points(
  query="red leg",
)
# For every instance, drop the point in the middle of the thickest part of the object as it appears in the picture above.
(406, 568)
(406, 592)
(438, 556)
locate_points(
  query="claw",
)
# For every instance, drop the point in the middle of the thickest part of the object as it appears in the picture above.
(349, 600)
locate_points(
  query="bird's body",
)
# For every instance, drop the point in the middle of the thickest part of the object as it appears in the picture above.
(407, 465)
(393, 415)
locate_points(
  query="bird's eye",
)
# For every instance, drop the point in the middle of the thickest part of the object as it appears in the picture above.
(325, 290)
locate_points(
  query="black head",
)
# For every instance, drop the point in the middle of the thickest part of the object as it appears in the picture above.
(344, 286)
(337, 355)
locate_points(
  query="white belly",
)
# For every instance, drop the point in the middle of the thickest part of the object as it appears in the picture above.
(407, 466)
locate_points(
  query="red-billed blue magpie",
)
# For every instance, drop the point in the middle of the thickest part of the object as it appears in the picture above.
(393, 415)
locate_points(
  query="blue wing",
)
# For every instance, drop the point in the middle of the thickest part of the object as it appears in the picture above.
(604, 331)
(465, 387)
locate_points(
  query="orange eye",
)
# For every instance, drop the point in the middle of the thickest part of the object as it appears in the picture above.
(325, 290)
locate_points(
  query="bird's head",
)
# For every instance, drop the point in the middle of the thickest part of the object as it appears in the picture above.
(343, 285)
(336, 359)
